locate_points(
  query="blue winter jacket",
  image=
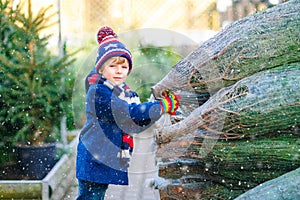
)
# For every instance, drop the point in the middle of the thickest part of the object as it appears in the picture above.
(107, 119)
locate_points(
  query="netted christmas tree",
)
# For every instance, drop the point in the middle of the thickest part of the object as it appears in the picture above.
(240, 105)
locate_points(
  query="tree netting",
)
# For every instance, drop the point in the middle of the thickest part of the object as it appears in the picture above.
(264, 103)
(244, 135)
(240, 107)
(261, 41)
(233, 167)
(243, 164)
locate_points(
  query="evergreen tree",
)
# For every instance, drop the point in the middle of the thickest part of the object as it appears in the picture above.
(33, 93)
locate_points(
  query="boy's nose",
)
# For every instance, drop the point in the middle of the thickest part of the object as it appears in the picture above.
(118, 69)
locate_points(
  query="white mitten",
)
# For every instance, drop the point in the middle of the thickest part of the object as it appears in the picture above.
(157, 183)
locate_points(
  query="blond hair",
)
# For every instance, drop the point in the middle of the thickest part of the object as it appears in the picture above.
(113, 60)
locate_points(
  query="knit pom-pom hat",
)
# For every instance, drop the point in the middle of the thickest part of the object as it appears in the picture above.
(110, 46)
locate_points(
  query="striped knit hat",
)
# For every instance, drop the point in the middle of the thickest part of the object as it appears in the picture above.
(110, 46)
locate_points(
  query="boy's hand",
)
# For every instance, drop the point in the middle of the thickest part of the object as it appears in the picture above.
(157, 183)
(170, 104)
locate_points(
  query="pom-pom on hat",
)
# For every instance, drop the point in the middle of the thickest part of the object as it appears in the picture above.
(110, 46)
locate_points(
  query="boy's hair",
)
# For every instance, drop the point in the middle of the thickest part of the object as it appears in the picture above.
(113, 60)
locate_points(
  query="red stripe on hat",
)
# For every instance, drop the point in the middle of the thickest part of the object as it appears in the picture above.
(108, 40)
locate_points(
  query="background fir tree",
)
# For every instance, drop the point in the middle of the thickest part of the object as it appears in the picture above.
(33, 95)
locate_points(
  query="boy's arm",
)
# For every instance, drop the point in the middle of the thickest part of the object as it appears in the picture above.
(135, 117)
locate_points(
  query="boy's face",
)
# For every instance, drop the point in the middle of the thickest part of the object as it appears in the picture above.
(116, 71)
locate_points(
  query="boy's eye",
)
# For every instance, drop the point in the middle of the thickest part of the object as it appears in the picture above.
(124, 67)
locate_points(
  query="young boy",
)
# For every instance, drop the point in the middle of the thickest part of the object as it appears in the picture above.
(112, 112)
